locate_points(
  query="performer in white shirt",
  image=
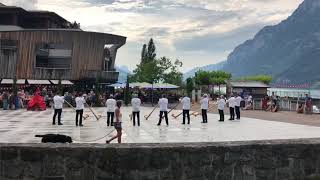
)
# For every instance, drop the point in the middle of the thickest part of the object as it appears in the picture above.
(237, 105)
(136, 103)
(111, 106)
(185, 109)
(163, 105)
(232, 102)
(221, 104)
(204, 108)
(58, 105)
(80, 101)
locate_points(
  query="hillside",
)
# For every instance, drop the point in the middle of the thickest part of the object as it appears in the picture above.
(289, 51)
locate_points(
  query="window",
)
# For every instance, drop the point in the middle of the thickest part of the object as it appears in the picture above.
(53, 56)
(107, 59)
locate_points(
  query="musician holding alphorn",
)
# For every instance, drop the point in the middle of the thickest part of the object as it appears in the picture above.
(80, 101)
(136, 103)
(163, 105)
(111, 106)
(185, 109)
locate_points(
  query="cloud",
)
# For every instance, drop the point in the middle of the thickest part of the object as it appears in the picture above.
(27, 4)
(184, 29)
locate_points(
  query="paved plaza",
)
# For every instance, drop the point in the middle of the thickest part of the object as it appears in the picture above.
(21, 126)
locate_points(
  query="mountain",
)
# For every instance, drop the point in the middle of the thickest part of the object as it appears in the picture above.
(211, 67)
(123, 72)
(289, 51)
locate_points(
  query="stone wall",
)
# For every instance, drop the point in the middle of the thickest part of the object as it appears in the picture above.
(266, 160)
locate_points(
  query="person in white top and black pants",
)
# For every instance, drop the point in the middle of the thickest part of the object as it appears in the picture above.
(221, 104)
(58, 105)
(111, 106)
(204, 108)
(136, 103)
(185, 109)
(80, 101)
(232, 102)
(238, 102)
(163, 105)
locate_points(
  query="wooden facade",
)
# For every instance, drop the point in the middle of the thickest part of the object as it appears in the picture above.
(87, 54)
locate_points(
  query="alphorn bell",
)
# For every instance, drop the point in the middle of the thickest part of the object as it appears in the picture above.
(84, 117)
(175, 116)
(98, 117)
(148, 116)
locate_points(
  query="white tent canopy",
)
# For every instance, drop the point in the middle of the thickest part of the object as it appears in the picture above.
(63, 82)
(145, 85)
(10, 81)
(33, 81)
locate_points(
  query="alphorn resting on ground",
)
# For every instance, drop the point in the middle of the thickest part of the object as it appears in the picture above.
(195, 113)
(176, 116)
(84, 117)
(98, 117)
(148, 116)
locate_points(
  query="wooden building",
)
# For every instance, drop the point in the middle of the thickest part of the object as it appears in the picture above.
(253, 88)
(46, 47)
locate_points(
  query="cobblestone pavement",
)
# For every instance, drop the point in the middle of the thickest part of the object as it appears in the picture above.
(21, 126)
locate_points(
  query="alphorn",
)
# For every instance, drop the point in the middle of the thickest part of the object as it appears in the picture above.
(84, 117)
(98, 117)
(195, 114)
(147, 116)
(175, 116)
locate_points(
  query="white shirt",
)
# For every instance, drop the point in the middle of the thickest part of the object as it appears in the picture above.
(111, 105)
(185, 103)
(135, 102)
(204, 103)
(80, 103)
(232, 102)
(221, 104)
(238, 100)
(58, 101)
(163, 104)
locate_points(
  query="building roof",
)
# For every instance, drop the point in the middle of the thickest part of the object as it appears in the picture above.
(249, 84)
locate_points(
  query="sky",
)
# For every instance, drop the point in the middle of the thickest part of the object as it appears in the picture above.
(197, 32)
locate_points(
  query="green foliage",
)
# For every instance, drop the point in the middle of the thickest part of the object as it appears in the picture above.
(144, 54)
(211, 77)
(153, 70)
(261, 78)
(59, 86)
(151, 53)
(14, 86)
(189, 86)
(97, 91)
(127, 92)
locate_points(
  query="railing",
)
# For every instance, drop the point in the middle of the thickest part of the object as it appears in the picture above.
(107, 75)
(284, 104)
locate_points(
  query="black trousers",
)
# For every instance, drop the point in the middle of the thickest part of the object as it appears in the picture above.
(231, 113)
(79, 113)
(238, 112)
(165, 116)
(110, 116)
(221, 113)
(204, 115)
(134, 114)
(185, 113)
(57, 112)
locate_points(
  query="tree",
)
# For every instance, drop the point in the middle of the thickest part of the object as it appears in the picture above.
(151, 53)
(127, 92)
(261, 78)
(212, 78)
(144, 54)
(59, 86)
(189, 86)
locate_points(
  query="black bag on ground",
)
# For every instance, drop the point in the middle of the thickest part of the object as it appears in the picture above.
(55, 138)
